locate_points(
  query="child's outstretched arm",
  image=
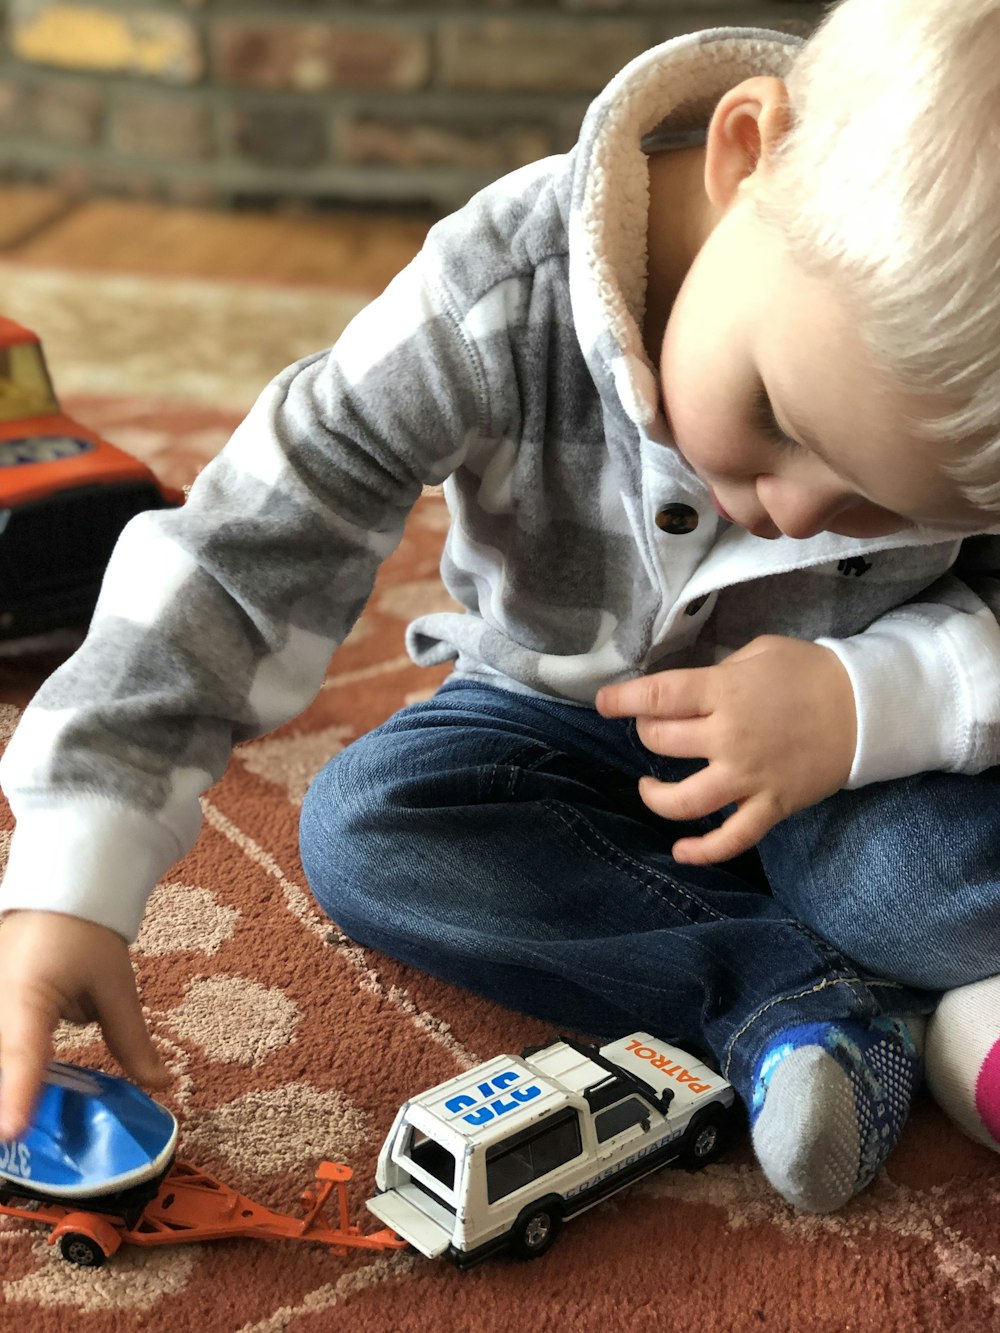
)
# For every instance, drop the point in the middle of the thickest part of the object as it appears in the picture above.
(775, 721)
(54, 967)
(215, 623)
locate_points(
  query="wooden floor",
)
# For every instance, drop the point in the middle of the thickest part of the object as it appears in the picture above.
(351, 250)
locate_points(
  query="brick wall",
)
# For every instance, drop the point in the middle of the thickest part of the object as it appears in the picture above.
(330, 101)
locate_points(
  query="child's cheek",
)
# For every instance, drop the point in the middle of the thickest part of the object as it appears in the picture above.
(698, 427)
(697, 373)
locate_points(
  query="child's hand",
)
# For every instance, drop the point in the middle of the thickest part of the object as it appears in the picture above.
(776, 722)
(52, 967)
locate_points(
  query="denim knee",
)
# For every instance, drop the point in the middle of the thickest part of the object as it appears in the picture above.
(902, 877)
(338, 824)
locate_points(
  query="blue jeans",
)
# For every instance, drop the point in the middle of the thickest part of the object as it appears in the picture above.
(497, 841)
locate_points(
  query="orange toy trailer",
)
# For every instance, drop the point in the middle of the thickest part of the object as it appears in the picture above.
(192, 1205)
(65, 495)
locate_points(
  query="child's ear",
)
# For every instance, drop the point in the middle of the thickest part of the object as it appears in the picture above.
(746, 128)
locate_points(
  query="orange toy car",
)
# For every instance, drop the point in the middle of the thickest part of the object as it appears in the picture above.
(65, 495)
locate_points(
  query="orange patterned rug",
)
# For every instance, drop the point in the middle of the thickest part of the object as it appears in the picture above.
(289, 1044)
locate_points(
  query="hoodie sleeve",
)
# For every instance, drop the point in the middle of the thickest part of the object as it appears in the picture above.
(926, 676)
(216, 620)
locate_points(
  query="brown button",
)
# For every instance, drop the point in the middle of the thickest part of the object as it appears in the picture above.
(677, 519)
(694, 607)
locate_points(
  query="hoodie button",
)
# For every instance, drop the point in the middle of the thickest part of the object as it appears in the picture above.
(677, 519)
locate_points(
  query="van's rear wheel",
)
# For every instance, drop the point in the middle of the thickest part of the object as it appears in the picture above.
(535, 1231)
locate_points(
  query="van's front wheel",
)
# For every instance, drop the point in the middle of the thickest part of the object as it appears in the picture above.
(706, 1139)
(535, 1231)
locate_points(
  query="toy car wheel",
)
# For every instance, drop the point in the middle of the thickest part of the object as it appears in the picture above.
(706, 1139)
(535, 1231)
(81, 1250)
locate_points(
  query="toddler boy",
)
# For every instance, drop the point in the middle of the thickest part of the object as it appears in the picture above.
(716, 418)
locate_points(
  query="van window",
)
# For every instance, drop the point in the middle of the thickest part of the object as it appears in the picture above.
(435, 1160)
(608, 1091)
(617, 1119)
(531, 1154)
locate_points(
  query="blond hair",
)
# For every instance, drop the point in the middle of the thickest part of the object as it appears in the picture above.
(888, 183)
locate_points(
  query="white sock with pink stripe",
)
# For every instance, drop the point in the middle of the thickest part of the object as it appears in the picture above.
(962, 1058)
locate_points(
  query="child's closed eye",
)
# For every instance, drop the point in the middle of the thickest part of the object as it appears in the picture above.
(765, 422)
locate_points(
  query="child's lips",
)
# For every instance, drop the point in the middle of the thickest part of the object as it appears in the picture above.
(763, 527)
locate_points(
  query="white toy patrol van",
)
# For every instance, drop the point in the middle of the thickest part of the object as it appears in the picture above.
(500, 1155)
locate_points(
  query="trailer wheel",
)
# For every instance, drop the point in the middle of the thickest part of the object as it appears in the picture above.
(79, 1249)
(535, 1231)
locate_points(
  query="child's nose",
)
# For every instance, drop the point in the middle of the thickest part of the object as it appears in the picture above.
(802, 513)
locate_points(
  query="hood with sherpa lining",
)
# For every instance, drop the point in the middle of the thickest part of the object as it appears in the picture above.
(675, 86)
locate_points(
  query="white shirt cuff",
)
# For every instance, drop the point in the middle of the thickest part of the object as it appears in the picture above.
(89, 859)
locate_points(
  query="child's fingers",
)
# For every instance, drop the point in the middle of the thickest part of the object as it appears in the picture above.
(25, 1050)
(680, 738)
(737, 834)
(678, 693)
(125, 1032)
(701, 794)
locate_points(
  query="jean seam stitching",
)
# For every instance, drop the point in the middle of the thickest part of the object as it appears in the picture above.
(542, 759)
(623, 860)
(497, 781)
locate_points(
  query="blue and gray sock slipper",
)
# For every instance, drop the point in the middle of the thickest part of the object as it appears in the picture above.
(829, 1101)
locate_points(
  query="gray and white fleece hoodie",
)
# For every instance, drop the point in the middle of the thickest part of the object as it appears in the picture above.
(507, 362)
